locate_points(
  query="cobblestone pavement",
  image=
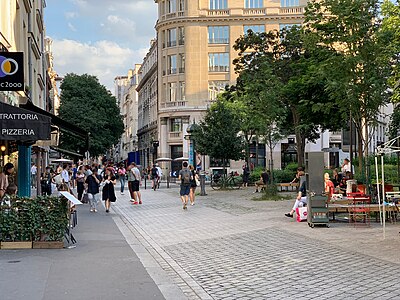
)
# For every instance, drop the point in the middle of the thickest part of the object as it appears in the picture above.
(230, 247)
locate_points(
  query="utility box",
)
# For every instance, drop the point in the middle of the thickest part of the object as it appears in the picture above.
(315, 172)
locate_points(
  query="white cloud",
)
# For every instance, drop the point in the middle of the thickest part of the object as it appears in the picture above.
(71, 15)
(72, 27)
(104, 59)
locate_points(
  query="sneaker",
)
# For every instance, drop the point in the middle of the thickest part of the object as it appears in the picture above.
(289, 215)
(192, 203)
(140, 202)
(122, 193)
(135, 202)
(107, 211)
(132, 200)
(185, 206)
(94, 210)
(91, 210)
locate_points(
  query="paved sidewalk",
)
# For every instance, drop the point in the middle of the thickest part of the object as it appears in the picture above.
(230, 247)
(102, 266)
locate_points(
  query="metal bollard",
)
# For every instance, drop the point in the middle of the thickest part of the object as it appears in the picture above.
(203, 184)
(168, 177)
(145, 182)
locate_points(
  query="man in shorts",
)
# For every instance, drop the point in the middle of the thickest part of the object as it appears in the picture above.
(137, 197)
(185, 176)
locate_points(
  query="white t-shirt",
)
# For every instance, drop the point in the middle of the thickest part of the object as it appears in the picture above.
(159, 172)
(33, 170)
(136, 173)
(65, 176)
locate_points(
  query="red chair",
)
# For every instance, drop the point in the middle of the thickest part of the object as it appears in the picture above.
(359, 209)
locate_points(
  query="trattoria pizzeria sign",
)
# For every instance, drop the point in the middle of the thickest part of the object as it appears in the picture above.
(23, 125)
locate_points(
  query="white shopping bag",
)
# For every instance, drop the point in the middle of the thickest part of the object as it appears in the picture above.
(301, 214)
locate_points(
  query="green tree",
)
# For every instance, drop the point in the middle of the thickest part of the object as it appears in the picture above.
(284, 72)
(90, 106)
(218, 133)
(391, 28)
(357, 74)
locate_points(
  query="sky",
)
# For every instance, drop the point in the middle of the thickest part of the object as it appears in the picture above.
(104, 38)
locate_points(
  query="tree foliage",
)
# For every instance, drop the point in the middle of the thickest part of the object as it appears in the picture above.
(89, 105)
(359, 70)
(281, 74)
(218, 133)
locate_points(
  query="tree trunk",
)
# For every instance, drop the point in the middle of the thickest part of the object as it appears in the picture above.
(224, 173)
(271, 168)
(360, 149)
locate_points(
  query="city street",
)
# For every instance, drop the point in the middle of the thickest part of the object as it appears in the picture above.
(228, 246)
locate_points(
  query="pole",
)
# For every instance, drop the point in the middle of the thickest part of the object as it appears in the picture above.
(351, 140)
(384, 198)
(378, 188)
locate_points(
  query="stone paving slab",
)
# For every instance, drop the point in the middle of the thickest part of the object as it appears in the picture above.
(230, 247)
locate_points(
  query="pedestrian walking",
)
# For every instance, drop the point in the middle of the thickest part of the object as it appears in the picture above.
(185, 176)
(45, 182)
(93, 183)
(137, 181)
(33, 175)
(80, 182)
(108, 188)
(193, 184)
(65, 175)
(131, 179)
(122, 177)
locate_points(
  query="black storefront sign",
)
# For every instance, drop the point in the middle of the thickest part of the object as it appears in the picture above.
(12, 71)
(19, 124)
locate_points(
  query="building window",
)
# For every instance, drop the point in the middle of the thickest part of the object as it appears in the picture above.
(181, 35)
(218, 34)
(182, 90)
(218, 62)
(176, 125)
(254, 28)
(181, 63)
(181, 5)
(218, 4)
(171, 37)
(253, 4)
(289, 3)
(215, 88)
(172, 64)
(287, 26)
(172, 91)
(171, 6)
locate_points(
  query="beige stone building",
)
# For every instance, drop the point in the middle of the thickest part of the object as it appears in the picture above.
(148, 107)
(195, 56)
(127, 98)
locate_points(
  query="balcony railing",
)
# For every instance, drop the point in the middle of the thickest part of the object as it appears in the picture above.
(218, 41)
(218, 68)
(218, 13)
(173, 104)
(171, 44)
(254, 11)
(172, 71)
(175, 135)
(291, 10)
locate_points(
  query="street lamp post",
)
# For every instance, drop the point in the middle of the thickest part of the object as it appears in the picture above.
(3, 149)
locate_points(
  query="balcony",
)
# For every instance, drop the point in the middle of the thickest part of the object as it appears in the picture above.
(254, 12)
(218, 13)
(172, 71)
(175, 135)
(173, 104)
(218, 68)
(218, 41)
(291, 10)
(172, 15)
(171, 44)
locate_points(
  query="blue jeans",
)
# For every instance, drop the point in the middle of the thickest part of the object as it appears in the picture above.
(122, 181)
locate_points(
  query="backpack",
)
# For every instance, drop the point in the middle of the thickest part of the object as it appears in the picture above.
(154, 172)
(186, 177)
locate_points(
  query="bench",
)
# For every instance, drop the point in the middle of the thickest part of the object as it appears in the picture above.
(288, 185)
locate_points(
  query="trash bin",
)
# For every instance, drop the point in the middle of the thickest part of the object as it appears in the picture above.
(317, 211)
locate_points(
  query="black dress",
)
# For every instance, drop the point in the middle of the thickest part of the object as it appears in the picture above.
(108, 189)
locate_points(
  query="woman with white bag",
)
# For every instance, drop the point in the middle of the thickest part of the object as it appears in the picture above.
(93, 182)
(301, 199)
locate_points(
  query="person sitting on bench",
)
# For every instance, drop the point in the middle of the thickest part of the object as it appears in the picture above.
(264, 180)
(301, 199)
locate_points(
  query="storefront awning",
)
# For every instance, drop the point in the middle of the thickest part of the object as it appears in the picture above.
(18, 124)
(57, 121)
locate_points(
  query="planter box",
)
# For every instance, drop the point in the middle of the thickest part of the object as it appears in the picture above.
(15, 245)
(48, 245)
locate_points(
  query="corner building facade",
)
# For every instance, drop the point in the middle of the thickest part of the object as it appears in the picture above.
(195, 54)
